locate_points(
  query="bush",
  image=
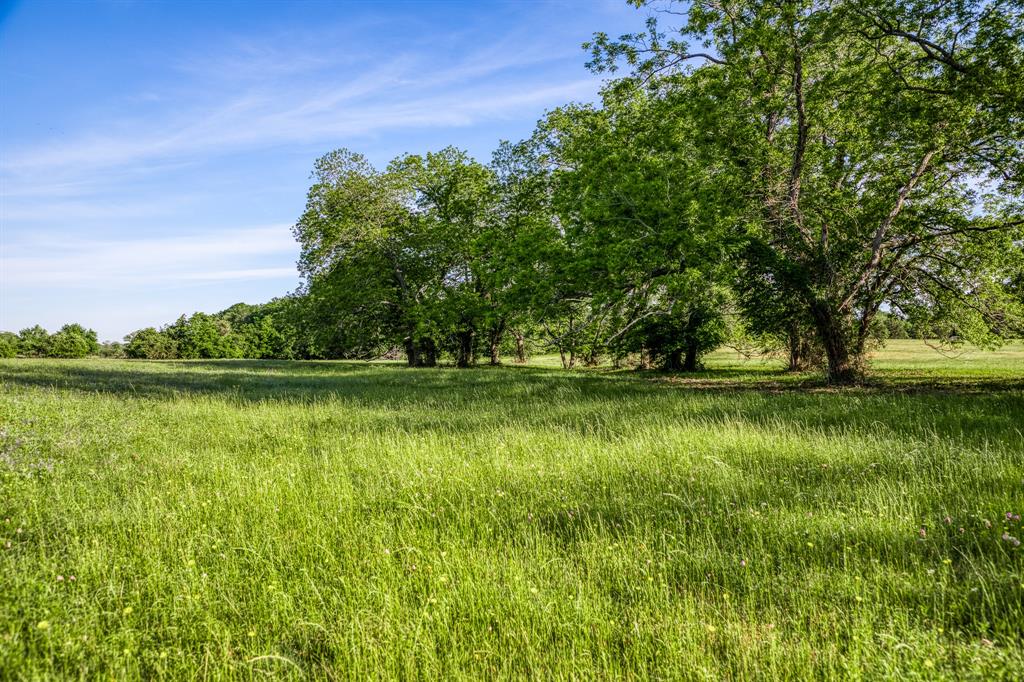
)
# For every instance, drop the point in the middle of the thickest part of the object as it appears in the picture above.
(150, 344)
(8, 345)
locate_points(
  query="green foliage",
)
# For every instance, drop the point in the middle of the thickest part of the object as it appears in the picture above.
(9, 344)
(203, 336)
(112, 349)
(150, 344)
(73, 341)
(34, 342)
(866, 151)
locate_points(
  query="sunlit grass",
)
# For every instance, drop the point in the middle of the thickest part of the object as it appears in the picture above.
(228, 519)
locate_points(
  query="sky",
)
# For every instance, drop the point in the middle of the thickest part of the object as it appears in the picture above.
(153, 156)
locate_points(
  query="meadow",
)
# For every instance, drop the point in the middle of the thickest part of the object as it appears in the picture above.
(334, 520)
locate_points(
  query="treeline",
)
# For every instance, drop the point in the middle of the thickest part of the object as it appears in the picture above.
(71, 341)
(280, 330)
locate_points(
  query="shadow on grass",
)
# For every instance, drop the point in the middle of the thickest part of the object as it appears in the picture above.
(601, 403)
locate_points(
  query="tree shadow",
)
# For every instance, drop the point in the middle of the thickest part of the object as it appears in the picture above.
(601, 404)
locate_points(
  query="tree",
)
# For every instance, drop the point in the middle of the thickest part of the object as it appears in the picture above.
(34, 342)
(366, 266)
(645, 251)
(150, 344)
(399, 257)
(74, 341)
(872, 152)
(8, 345)
(453, 200)
(203, 336)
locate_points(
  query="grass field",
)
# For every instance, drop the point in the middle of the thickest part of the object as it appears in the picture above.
(237, 519)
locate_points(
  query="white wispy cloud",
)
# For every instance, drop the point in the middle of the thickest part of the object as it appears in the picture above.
(233, 254)
(404, 92)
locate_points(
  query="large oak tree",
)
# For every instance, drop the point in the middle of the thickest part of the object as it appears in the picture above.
(873, 151)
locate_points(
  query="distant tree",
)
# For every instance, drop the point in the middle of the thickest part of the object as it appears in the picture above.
(74, 341)
(203, 336)
(150, 344)
(34, 342)
(111, 349)
(8, 344)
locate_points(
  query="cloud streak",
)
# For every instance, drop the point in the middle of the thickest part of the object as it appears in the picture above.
(402, 93)
(233, 254)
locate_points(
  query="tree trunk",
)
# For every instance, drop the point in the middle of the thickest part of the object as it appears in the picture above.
(427, 353)
(674, 360)
(497, 332)
(465, 353)
(690, 363)
(420, 352)
(520, 347)
(843, 367)
(411, 357)
(799, 351)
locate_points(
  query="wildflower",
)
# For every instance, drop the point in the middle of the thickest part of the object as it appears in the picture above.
(947, 561)
(252, 633)
(743, 563)
(43, 625)
(988, 524)
(922, 532)
(127, 610)
(810, 545)
(533, 590)
(712, 629)
(928, 664)
(72, 578)
(163, 654)
(947, 520)
(60, 578)
(987, 642)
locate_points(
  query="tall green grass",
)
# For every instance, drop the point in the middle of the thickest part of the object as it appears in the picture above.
(333, 520)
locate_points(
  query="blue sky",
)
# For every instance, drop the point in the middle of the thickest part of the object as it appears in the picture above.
(153, 156)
